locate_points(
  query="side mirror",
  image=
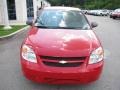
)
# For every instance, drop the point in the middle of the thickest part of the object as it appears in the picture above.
(29, 22)
(94, 24)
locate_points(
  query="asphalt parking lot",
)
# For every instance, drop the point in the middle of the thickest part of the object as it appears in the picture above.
(108, 31)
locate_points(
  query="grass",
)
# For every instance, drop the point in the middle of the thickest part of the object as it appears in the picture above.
(7, 32)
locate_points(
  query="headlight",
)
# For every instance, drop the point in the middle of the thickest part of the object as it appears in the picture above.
(28, 54)
(96, 56)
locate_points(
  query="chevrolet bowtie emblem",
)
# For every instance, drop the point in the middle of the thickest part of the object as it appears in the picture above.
(62, 62)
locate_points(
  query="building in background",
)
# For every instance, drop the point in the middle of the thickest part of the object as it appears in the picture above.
(19, 10)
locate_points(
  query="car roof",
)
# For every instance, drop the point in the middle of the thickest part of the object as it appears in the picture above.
(62, 8)
(117, 9)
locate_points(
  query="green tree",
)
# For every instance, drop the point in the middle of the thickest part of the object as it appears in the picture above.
(88, 4)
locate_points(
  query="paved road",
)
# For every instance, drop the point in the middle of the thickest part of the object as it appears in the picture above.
(108, 31)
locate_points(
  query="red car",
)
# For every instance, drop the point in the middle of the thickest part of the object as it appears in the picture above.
(115, 14)
(61, 48)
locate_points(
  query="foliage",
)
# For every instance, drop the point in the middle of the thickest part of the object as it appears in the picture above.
(88, 4)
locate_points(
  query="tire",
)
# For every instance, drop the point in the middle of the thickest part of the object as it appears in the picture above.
(114, 17)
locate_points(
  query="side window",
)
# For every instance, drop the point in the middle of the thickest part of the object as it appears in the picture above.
(11, 9)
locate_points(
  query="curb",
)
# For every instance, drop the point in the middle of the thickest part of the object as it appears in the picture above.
(6, 36)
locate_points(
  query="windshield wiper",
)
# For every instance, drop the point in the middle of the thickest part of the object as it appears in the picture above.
(52, 27)
(42, 26)
(70, 27)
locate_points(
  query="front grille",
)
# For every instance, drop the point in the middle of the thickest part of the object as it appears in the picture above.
(57, 64)
(55, 80)
(62, 58)
(56, 61)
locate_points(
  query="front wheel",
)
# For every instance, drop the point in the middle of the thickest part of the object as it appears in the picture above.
(110, 16)
(114, 17)
(101, 14)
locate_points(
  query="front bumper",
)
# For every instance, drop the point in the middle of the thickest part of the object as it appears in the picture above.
(58, 75)
(116, 15)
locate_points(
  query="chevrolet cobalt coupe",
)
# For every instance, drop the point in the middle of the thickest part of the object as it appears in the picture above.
(61, 48)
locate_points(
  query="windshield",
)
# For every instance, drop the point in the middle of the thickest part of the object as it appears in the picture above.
(62, 19)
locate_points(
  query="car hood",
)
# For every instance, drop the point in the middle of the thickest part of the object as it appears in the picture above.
(65, 42)
(116, 13)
